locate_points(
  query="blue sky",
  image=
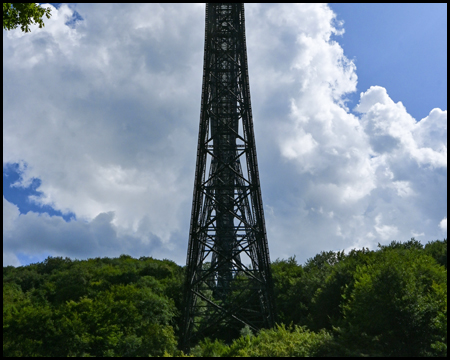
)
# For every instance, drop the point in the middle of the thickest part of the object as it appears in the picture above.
(392, 46)
(20, 196)
(101, 119)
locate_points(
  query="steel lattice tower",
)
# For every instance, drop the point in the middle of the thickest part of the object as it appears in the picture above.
(228, 278)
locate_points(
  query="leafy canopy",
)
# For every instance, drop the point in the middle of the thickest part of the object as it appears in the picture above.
(388, 302)
(23, 15)
(97, 307)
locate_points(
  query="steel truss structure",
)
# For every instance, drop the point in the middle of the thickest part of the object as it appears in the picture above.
(228, 278)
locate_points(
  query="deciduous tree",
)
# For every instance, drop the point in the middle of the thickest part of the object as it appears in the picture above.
(23, 15)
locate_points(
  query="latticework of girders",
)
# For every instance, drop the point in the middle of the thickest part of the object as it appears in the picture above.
(228, 278)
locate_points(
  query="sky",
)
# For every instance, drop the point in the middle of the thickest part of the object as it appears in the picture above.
(100, 126)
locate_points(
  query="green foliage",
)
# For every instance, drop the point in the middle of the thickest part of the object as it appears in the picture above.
(23, 15)
(13, 301)
(281, 341)
(389, 302)
(397, 306)
(321, 295)
(291, 298)
(208, 348)
(438, 250)
(407, 245)
(296, 286)
(325, 308)
(97, 307)
(324, 259)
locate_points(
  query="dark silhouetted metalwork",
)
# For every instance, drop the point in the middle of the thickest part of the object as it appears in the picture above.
(228, 279)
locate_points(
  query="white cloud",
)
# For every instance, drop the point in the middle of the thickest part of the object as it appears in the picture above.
(35, 233)
(10, 214)
(106, 114)
(443, 226)
(386, 232)
(394, 132)
(403, 188)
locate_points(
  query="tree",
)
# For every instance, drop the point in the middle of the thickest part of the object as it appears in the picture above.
(23, 14)
(438, 250)
(291, 298)
(325, 308)
(98, 307)
(397, 306)
(281, 341)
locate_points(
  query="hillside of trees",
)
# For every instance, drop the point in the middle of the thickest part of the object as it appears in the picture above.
(388, 302)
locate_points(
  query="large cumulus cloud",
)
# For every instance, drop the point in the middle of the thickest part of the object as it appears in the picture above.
(105, 112)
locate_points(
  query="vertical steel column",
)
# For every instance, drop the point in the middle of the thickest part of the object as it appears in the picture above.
(228, 278)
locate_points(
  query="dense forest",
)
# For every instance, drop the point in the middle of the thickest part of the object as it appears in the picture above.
(388, 302)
